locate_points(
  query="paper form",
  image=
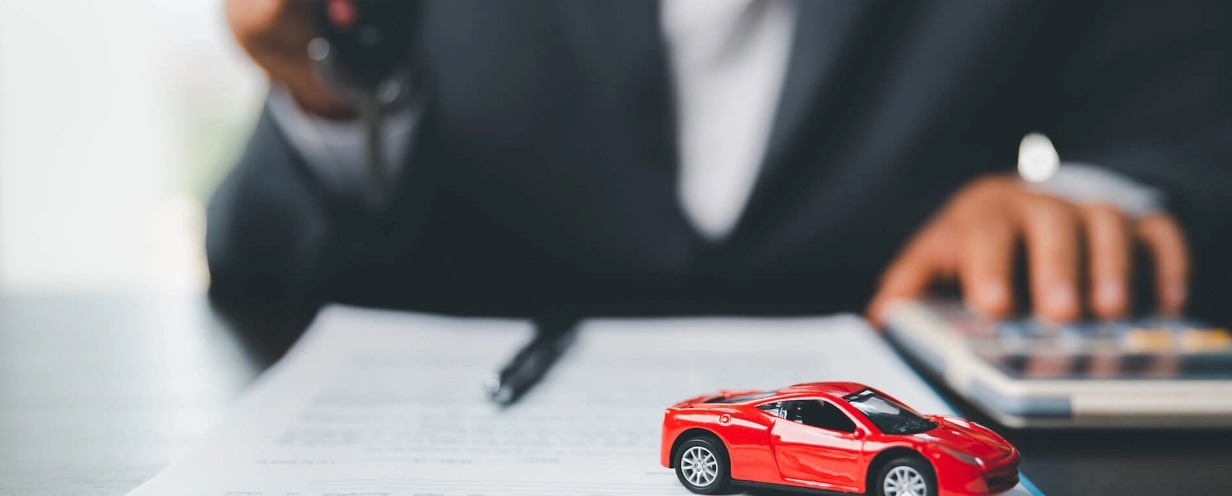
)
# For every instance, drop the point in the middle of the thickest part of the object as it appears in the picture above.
(373, 403)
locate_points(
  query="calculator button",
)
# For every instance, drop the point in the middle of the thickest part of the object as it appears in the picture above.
(1148, 339)
(1073, 337)
(977, 328)
(1104, 365)
(1195, 340)
(1047, 365)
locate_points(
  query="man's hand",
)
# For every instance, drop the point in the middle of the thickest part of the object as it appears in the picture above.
(973, 238)
(275, 33)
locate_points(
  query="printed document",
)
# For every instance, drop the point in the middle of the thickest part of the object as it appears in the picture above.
(377, 403)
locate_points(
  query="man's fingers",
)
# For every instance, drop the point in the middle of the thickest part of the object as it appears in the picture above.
(270, 30)
(1109, 245)
(986, 264)
(911, 273)
(1051, 232)
(1166, 242)
(275, 33)
(253, 20)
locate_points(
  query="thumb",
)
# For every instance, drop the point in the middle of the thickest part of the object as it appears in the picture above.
(909, 275)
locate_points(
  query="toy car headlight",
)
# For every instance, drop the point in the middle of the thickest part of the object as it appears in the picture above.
(965, 458)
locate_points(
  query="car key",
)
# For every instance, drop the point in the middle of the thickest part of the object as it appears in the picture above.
(362, 50)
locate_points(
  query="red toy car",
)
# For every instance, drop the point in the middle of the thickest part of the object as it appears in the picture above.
(832, 436)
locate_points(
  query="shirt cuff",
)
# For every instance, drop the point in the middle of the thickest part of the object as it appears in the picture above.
(1089, 184)
(335, 150)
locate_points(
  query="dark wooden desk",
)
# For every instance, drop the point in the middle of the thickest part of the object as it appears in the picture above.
(98, 392)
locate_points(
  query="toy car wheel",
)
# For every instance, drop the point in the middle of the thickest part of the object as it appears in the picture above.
(702, 465)
(906, 476)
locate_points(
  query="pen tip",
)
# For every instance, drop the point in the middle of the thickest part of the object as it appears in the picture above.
(492, 384)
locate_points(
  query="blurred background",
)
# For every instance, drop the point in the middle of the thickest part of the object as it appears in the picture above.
(108, 155)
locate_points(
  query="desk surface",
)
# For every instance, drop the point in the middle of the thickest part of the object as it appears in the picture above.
(98, 392)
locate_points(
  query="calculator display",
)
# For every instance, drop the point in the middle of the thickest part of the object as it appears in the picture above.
(1145, 348)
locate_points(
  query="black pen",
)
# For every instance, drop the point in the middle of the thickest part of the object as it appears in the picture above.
(552, 338)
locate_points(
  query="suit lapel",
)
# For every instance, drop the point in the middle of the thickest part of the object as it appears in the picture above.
(823, 30)
(825, 33)
(617, 43)
(619, 48)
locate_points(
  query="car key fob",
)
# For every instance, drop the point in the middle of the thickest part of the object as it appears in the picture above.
(368, 40)
(362, 50)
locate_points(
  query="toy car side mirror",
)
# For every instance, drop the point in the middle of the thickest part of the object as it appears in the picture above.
(858, 434)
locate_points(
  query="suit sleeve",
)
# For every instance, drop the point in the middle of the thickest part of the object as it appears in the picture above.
(267, 225)
(275, 232)
(1147, 93)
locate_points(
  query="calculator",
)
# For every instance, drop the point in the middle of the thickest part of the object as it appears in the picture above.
(1022, 372)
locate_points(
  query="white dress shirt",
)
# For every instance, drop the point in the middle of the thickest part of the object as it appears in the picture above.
(728, 60)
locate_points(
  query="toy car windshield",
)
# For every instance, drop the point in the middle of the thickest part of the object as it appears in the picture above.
(890, 417)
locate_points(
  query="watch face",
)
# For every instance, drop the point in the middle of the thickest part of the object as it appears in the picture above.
(1037, 159)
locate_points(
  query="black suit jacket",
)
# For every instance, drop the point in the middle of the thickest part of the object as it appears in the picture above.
(543, 171)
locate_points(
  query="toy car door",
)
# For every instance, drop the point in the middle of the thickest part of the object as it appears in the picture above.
(815, 442)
